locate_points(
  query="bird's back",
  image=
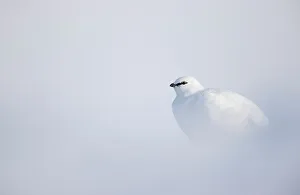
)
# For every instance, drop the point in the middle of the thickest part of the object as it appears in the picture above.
(233, 109)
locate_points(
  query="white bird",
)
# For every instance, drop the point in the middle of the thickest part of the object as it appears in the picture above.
(195, 108)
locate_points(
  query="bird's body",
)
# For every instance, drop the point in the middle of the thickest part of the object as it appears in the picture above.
(196, 108)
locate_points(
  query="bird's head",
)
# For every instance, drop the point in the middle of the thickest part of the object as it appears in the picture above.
(186, 85)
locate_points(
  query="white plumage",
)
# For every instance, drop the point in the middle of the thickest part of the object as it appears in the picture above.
(195, 108)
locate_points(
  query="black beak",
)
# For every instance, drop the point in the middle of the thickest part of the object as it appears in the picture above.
(172, 85)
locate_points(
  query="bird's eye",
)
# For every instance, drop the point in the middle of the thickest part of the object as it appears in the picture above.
(184, 82)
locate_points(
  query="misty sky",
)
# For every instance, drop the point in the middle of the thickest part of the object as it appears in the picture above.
(85, 101)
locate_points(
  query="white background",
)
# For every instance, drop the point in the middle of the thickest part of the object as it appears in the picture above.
(85, 102)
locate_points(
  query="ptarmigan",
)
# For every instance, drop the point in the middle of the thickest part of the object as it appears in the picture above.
(196, 108)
